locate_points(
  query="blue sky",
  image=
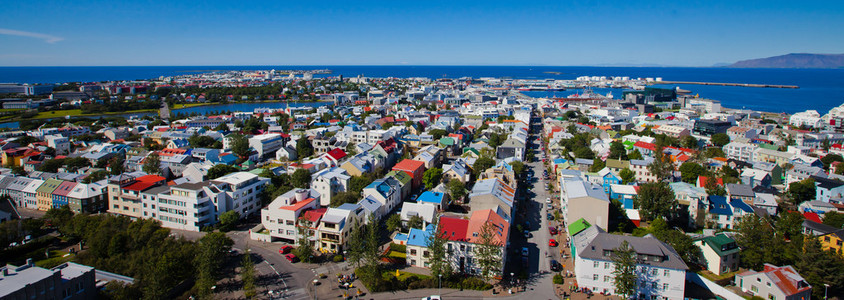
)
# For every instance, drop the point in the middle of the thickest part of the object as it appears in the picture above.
(674, 33)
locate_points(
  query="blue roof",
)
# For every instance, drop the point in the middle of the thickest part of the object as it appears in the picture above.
(419, 237)
(348, 206)
(400, 237)
(380, 185)
(431, 197)
(560, 161)
(720, 206)
(741, 205)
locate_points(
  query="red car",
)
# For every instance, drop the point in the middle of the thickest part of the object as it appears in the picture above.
(552, 243)
(552, 230)
(291, 258)
(285, 249)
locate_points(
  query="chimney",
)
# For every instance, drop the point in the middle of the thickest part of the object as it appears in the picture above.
(6, 271)
(29, 262)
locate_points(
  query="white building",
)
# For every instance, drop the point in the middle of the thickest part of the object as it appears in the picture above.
(660, 272)
(740, 151)
(266, 144)
(809, 118)
(329, 182)
(281, 217)
(58, 142)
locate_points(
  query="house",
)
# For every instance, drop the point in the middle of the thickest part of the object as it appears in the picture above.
(433, 198)
(463, 237)
(416, 241)
(388, 195)
(626, 194)
(767, 202)
(457, 170)
(641, 171)
(266, 144)
(430, 155)
(756, 177)
(802, 172)
(740, 151)
(335, 226)
(826, 189)
(833, 240)
(69, 281)
(281, 216)
(775, 283)
(582, 200)
(426, 211)
(403, 180)
(328, 182)
(719, 253)
(741, 192)
(414, 168)
(511, 148)
(660, 272)
(608, 178)
(726, 214)
(672, 131)
(695, 198)
(495, 195)
(286, 153)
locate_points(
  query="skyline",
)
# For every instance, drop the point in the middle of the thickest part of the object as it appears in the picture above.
(580, 33)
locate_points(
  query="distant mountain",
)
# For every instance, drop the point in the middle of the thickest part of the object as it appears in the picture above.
(794, 60)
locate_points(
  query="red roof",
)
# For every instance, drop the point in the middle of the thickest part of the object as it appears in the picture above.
(314, 215)
(648, 146)
(298, 205)
(337, 154)
(701, 181)
(150, 178)
(812, 217)
(454, 228)
(409, 165)
(139, 186)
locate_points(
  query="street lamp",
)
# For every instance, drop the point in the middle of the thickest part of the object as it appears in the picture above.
(441, 284)
(825, 286)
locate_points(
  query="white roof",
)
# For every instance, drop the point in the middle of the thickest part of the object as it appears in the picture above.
(33, 186)
(85, 191)
(623, 189)
(425, 210)
(236, 178)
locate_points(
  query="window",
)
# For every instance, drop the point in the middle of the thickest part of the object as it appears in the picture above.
(666, 273)
(412, 251)
(754, 288)
(654, 272)
(606, 279)
(595, 264)
(771, 297)
(606, 265)
(289, 222)
(664, 286)
(595, 277)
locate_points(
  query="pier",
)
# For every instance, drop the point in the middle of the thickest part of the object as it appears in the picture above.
(731, 84)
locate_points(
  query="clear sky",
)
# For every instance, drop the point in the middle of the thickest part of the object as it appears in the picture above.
(674, 33)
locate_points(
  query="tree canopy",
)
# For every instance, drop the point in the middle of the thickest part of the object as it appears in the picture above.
(656, 200)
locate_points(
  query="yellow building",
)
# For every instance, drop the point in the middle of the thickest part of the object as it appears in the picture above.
(44, 194)
(833, 241)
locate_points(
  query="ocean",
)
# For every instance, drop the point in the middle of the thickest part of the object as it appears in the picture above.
(820, 89)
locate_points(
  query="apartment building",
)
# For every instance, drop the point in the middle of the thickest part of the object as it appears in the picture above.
(336, 224)
(67, 281)
(124, 193)
(266, 144)
(281, 217)
(329, 182)
(740, 151)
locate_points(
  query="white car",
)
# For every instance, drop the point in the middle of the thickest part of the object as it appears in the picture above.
(548, 200)
(434, 297)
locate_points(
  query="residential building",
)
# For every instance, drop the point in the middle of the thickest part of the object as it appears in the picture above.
(44, 194)
(740, 151)
(463, 238)
(336, 224)
(583, 200)
(281, 217)
(414, 168)
(672, 131)
(266, 144)
(67, 281)
(124, 193)
(775, 283)
(328, 182)
(719, 253)
(495, 195)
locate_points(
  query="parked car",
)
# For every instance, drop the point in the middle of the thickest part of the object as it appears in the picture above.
(548, 200)
(291, 257)
(525, 251)
(527, 234)
(550, 217)
(285, 249)
(432, 297)
(556, 266)
(552, 230)
(553, 243)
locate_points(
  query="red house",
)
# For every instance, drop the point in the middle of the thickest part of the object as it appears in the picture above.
(414, 168)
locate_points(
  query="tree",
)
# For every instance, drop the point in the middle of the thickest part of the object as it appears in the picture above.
(432, 177)
(597, 165)
(415, 222)
(481, 164)
(95, 176)
(682, 243)
(690, 142)
(58, 217)
(439, 260)
(634, 155)
(356, 245)
(584, 152)
(656, 200)
(229, 219)
(496, 140)
(220, 170)
(152, 164)
(373, 240)
(304, 148)
(829, 159)
(212, 249)
(305, 249)
(438, 133)
(115, 165)
(690, 171)
(239, 144)
(344, 197)
(720, 139)
(624, 273)
(758, 241)
(247, 275)
(518, 168)
(617, 151)
(301, 179)
(833, 219)
(488, 251)
(801, 191)
(821, 267)
(393, 223)
(456, 189)
(627, 176)
(661, 167)
(223, 127)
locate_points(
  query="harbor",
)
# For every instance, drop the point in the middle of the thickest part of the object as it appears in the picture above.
(779, 86)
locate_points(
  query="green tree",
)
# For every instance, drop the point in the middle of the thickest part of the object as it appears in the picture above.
(624, 273)
(438, 133)
(496, 140)
(634, 155)
(393, 223)
(456, 189)
(829, 159)
(439, 260)
(301, 179)
(662, 168)
(656, 200)
(821, 267)
(152, 164)
(758, 242)
(720, 139)
(304, 148)
(597, 165)
(247, 275)
(481, 164)
(518, 168)
(239, 144)
(690, 142)
(682, 243)
(415, 222)
(617, 151)
(306, 249)
(356, 245)
(834, 219)
(584, 152)
(488, 251)
(229, 219)
(373, 240)
(115, 165)
(690, 171)
(432, 177)
(220, 170)
(627, 176)
(212, 249)
(801, 191)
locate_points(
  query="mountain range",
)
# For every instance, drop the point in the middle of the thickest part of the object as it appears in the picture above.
(794, 60)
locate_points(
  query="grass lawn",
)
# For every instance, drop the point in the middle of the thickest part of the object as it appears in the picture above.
(56, 258)
(715, 278)
(396, 254)
(3, 110)
(188, 105)
(405, 275)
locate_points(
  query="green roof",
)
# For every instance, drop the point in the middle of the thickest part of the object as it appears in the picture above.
(401, 176)
(258, 171)
(49, 186)
(617, 164)
(447, 141)
(766, 146)
(470, 149)
(721, 244)
(578, 226)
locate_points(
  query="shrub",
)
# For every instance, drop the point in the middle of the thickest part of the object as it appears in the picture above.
(558, 279)
(338, 258)
(398, 248)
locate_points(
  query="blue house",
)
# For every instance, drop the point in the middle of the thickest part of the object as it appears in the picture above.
(624, 194)
(609, 179)
(727, 213)
(435, 198)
